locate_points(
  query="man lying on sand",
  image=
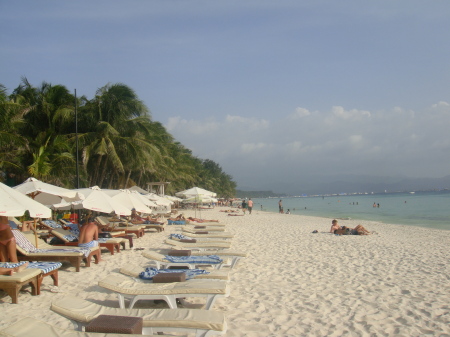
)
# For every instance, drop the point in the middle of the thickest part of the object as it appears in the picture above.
(358, 230)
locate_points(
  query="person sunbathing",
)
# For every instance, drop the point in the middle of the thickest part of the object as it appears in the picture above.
(201, 220)
(178, 218)
(358, 230)
(334, 226)
(154, 220)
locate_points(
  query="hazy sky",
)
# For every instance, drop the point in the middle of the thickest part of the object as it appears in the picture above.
(271, 90)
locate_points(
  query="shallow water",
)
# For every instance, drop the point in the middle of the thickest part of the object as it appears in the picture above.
(424, 209)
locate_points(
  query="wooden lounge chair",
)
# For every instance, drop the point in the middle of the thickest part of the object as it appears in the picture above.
(198, 321)
(136, 230)
(73, 255)
(12, 284)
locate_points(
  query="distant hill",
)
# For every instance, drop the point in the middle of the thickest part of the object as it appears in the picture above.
(257, 194)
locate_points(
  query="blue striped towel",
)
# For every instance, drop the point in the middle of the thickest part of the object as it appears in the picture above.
(52, 224)
(11, 264)
(178, 236)
(90, 244)
(46, 267)
(208, 259)
(148, 273)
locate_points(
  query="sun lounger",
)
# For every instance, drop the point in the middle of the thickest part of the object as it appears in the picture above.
(212, 274)
(159, 228)
(198, 321)
(26, 251)
(130, 229)
(235, 256)
(127, 287)
(12, 284)
(111, 243)
(165, 261)
(27, 327)
(198, 245)
(209, 235)
(202, 227)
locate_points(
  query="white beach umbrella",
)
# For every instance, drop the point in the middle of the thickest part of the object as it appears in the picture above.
(138, 189)
(129, 200)
(145, 200)
(14, 203)
(158, 200)
(45, 193)
(95, 200)
(194, 191)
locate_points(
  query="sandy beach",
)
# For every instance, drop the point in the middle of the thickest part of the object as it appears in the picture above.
(294, 282)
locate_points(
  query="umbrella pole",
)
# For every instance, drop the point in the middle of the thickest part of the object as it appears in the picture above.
(35, 232)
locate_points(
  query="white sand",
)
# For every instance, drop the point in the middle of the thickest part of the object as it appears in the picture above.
(295, 283)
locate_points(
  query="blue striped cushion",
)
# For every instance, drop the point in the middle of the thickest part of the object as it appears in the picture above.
(11, 264)
(52, 223)
(46, 267)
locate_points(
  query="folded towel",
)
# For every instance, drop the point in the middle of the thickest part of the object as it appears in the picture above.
(201, 232)
(179, 253)
(198, 227)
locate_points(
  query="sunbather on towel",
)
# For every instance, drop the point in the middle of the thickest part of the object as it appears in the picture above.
(201, 220)
(88, 234)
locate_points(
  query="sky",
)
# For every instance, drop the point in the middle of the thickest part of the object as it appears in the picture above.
(275, 92)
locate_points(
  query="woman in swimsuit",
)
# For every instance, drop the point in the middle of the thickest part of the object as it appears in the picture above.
(7, 242)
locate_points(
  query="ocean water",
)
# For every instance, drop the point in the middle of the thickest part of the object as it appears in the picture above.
(424, 209)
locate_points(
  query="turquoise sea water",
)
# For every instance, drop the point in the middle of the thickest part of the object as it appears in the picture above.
(424, 209)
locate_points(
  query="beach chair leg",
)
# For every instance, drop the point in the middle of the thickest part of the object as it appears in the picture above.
(210, 300)
(121, 301)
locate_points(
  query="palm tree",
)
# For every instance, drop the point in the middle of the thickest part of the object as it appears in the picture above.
(48, 116)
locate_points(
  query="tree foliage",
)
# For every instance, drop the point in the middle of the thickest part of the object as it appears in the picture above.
(119, 144)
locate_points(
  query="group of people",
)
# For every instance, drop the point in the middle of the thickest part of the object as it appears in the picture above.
(247, 205)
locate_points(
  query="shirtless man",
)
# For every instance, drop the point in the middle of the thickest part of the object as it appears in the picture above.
(88, 234)
(334, 226)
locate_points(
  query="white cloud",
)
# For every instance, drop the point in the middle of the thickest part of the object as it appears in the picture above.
(253, 124)
(349, 141)
(300, 113)
(340, 112)
(247, 148)
(206, 128)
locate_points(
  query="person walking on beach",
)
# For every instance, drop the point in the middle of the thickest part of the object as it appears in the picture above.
(280, 206)
(244, 205)
(250, 205)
